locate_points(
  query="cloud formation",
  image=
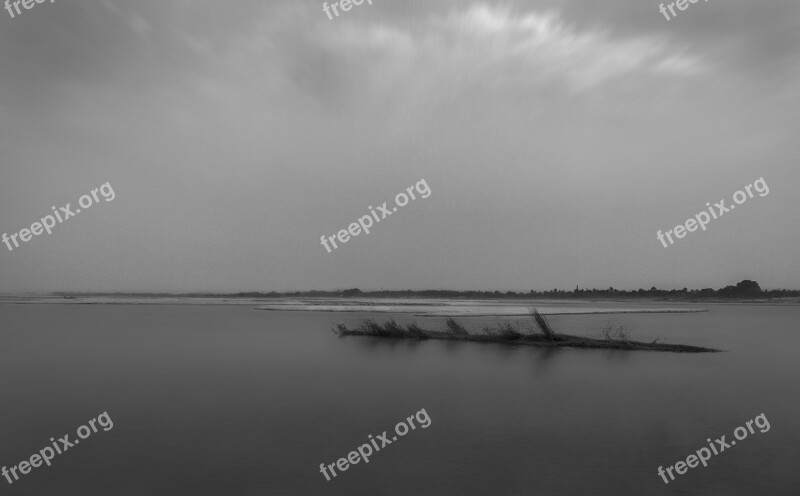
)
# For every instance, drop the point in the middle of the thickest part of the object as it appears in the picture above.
(236, 136)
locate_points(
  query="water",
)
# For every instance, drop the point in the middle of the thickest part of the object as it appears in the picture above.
(232, 400)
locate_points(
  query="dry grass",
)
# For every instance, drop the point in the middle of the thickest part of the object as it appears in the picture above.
(544, 325)
(620, 334)
(509, 332)
(416, 331)
(455, 328)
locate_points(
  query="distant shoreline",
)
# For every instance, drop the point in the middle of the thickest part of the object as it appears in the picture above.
(366, 299)
(377, 296)
(745, 290)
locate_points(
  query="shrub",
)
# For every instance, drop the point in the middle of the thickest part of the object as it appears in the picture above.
(508, 331)
(391, 328)
(416, 332)
(370, 327)
(456, 328)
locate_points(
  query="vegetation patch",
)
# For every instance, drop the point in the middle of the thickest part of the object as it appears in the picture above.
(543, 335)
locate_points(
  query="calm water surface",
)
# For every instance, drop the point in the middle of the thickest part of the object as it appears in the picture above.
(228, 400)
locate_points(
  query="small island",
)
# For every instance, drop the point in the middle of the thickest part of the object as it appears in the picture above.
(541, 335)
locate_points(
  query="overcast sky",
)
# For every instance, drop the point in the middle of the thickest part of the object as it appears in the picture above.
(556, 136)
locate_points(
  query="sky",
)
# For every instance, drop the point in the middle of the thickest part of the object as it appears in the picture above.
(556, 136)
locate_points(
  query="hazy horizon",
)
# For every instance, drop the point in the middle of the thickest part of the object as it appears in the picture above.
(371, 290)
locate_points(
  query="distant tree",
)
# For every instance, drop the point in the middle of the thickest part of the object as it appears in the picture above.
(748, 288)
(743, 289)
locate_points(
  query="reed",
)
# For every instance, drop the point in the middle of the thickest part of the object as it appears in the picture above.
(543, 325)
(619, 334)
